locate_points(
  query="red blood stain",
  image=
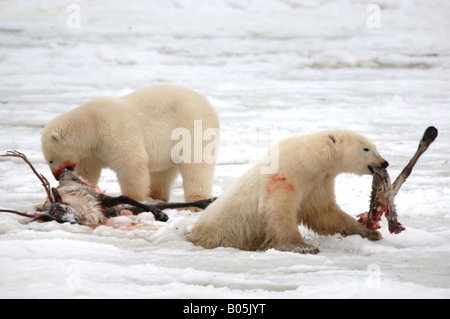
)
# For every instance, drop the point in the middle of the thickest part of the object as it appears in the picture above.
(57, 173)
(278, 181)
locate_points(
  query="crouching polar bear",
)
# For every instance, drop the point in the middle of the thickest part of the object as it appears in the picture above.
(262, 211)
(137, 136)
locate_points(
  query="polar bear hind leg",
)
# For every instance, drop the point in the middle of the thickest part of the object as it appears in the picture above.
(281, 223)
(197, 180)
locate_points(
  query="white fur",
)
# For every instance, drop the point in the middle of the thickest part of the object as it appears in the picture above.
(261, 211)
(132, 136)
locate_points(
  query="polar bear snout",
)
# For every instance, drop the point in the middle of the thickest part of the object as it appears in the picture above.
(383, 164)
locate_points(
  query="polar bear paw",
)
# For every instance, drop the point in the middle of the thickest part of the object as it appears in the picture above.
(300, 249)
(371, 235)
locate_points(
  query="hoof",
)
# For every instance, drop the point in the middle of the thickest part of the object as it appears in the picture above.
(162, 217)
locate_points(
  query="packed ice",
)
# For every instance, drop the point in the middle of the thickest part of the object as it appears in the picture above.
(271, 69)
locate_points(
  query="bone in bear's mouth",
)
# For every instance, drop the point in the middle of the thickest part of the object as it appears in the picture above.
(383, 191)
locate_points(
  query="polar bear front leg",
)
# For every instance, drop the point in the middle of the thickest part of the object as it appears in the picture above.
(134, 178)
(330, 219)
(161, 183)
(90, 169)
(320, 212)
(350, 226)
(281, 222)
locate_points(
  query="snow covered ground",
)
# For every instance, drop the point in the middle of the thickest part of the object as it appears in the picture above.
(272, 69)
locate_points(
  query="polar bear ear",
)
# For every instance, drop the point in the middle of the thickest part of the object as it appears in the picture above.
(55, 137)
(334, 141)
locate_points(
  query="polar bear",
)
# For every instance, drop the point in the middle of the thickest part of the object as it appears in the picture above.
(134, 136)
(262, 211)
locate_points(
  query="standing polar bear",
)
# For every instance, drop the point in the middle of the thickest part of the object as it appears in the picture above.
(136, 136)
(262, 211)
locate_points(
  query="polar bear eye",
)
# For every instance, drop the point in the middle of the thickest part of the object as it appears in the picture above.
(366, 149)
(50, 162)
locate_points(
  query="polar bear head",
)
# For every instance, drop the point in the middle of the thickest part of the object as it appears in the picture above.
(357, 153)
(58, 153)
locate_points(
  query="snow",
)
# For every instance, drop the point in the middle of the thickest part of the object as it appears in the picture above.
(272, 69)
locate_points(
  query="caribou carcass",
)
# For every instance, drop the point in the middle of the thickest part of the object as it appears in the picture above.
(78, 202)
